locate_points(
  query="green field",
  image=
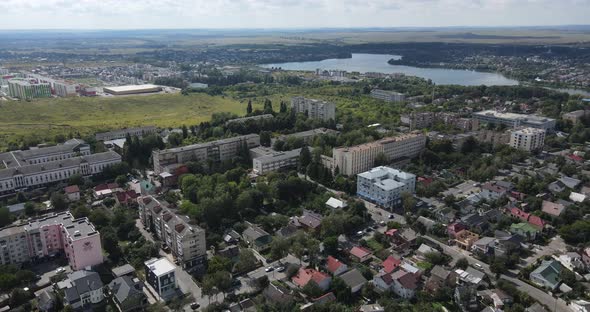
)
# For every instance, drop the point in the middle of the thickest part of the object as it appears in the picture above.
(45, 118)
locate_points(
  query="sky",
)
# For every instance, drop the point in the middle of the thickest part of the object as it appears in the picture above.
(152, 14)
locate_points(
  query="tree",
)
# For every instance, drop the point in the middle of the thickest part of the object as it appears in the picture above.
(341, 290)
(331, 245)
(25, 276)
(18, 296)
(279, 248)
(312, 289)
(58, 201)
(20, 197)
(462, 263)
(184, 132)
(265, 138)
(498, 266)
(246, 261)
(218, 263)
(304, 158)
(30, 209)
(249, 107)
(76, 179)
(408, 201)
(268, 107)
(121, 180)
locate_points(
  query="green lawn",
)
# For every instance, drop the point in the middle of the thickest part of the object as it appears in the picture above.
(45, 118)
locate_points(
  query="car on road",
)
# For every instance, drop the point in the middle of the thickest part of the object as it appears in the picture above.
(59, 270)
(269, 269)
(390, 216)
(280, 269)
(368, 230)
(382, 223)
(195, 305)
(478, 266)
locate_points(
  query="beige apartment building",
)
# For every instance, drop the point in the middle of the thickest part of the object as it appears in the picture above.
(528, 139)
(315, 109)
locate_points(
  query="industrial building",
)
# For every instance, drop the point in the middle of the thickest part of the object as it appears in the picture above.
(132, 89)
(514, 120)
(225, 149)
(384, 185)
(314, 109)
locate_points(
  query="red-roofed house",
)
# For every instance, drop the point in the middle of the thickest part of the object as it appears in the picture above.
(305, 275)
(454, 228)
(576, 158)
(335, 266)
(527, 217)
(536, 222)
(360, 254)
(127, 197)
(72, 192)
(515, 212)
(424, 180)
(390, 264)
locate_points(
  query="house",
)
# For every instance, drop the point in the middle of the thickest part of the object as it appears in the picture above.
(536, 307)
(72, 193)
(287, 231)
(469, 276)
(257, 238)
(127, 294)
(126, 269)
(547, 274)
(506, 242)
(335, 266)
(466, 298)
(105, 190)
(126, 198)
(424, 249)
(304, 276)
(533, 220)
(82, 288)
(230, 252)
(391, 264)
(439, 278)
(571, 183)
(484, 246)
(475, 222)
(336, 203)
(161, 276)
(580, 305)
(492, 191)
(404, 284)
(309, 220)
(577, 197)
(232, 237)
(360, 254)
(46, 300)
(525, 230)
(498, 297)
(465, 239)
(278, 294)
(426, 222)
(402, 239)
(375, 307)
(454, 228)
(354, 279)
(571, 260)
(552, 209)
(383, 282)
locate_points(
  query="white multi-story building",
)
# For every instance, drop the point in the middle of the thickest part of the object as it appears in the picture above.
(185, 239)
(27, 89)
(360, 158)
(220, 150)
(314, 109)
(161, 275)
(514, 120)
(275, 161)
(18, 175)
(388, 96)
(122, 133)
(528, 139)
(384, 185)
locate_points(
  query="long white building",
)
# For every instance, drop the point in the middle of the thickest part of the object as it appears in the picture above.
(314, 109)
(384, 185)
(360, 158)
(276, 160)
(122, 133)
(514, 120)
(528, 139)
(388, 96)
(220, 150)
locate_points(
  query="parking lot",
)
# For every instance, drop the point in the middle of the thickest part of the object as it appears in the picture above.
(246, 282)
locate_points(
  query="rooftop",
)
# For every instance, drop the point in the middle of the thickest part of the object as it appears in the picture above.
(160, 266)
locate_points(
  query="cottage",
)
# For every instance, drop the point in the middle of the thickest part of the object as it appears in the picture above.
(257, 238)
(304, 276)
(82, 288)
(335, 266)
(547, 274)
(390, 264)
(72, 193)
(335, 203)
(552, 209)
(360, 254)
(354, 279)
(404, 284)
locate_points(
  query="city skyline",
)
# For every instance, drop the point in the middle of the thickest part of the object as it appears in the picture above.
(277, 14)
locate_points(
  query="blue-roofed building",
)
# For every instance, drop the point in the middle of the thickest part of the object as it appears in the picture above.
(384, 185)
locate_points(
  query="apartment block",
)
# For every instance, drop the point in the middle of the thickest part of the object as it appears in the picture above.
(64, 89)
(245, 119)
(48, 169)
(220, 150)
(307, 136)
(161, 275)
(28, 89)
(388, 96)
(575, 116)
(360, 158)
(418, 120)
(528, 139)
(185, 239)
(51, 235)
(513, 120)
(384, 185)
(314, 109)
(122, 133)
(276, 160)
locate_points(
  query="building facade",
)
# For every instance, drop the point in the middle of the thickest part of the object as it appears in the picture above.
(51, 235)
(314, 109)
(360, 158)
(384, 185)
(276, 160)
(122, 133)
(528, 139)
(186, 240)
(169, 159)
(64, 89)
(82, 288)
(28, 89)
(388, 96)
(160, 274)
(418, 120)
(514, 120)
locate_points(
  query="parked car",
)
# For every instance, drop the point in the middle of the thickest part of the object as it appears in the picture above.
(280, 269)
(269, 269)
(195, 305)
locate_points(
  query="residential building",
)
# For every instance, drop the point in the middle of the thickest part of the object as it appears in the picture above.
(513, 120)
(46, 299)
(276, 160)
(354, 279)
(466, 298)
(307, 136)
(22, 176)
(258, 238)
(72, 193)
(160, 274)
(314, 109)
(528, 139)
(492, 191)
(309, 220)
(356, 159)
(388, 96)
(127, 294)
(404, 284)
(580, 305)
(465, 239)
(225, 149)
(552, 209)
(575, 116)
(28, 89)
(304, 276)
(250, 118)
(547, 275)
(33, 156)
(123, 133)
(375, 307)
(64, 89)
(335, 266)
(185, 239)
(525, 230)
(82, 288)
(50, 235)
(335, 203)
(384, 185)
(360, 254)
(418, 120)
(391, 264)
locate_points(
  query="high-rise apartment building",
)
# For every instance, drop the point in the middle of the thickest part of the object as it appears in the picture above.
(64, 88)
(528, 139)
(50, 235)
(314, 109)
(185, 239)
(360, 158)
(220, 150)
(27, 89)
(388, 96)
(384, 185)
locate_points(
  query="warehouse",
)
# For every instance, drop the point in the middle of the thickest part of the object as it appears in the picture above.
(133, 89)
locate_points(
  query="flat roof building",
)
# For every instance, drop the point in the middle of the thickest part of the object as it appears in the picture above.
(388, 96)
(528, 139)
(132, 89)
(122, 133)
(384, 185)
(314, 109)
(161, 275)
(276, 160)
(309, 135)
(245, 119)
(515, 120)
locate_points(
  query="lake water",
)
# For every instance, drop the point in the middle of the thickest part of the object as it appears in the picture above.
(364, 63)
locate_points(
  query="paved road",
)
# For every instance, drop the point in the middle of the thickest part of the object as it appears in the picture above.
(537, 294)
(379, 214)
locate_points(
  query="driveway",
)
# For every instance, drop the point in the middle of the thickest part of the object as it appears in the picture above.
(556, 246)
(247, 280)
